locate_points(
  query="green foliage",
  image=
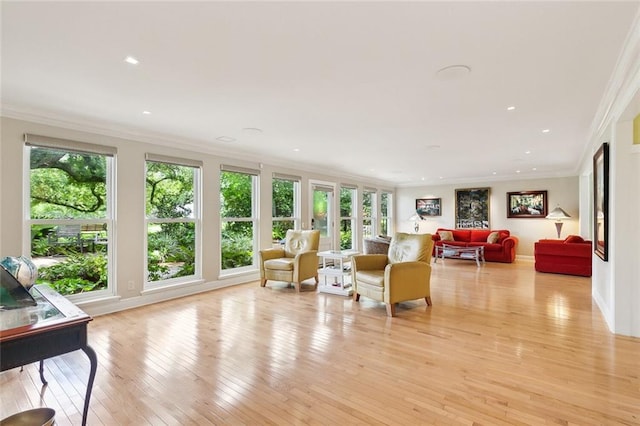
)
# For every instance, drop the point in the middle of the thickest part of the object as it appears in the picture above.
(76, 274)
(169, 190)
(345, 240)
(170, 243)
(155, 268)
(237, 250)
(368, 199)
(235, 195)
(283, 198)
(347, 202)
(67, 185)
(279, 229)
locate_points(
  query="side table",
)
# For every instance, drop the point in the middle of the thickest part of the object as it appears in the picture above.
(340, 271)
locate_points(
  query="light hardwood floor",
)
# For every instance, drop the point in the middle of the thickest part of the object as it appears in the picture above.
(501, 344)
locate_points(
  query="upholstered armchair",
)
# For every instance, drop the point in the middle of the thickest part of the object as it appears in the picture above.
(294, 263)
(402, 274)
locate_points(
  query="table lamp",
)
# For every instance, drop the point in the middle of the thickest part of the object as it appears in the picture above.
(558, 215)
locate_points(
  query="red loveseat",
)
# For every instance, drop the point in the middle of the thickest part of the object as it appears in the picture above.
(571, 256)
(503, 250)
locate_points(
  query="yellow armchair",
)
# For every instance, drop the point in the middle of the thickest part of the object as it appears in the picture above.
(403, 274)
(296, 262)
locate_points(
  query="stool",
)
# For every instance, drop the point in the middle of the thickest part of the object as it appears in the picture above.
(36, 417)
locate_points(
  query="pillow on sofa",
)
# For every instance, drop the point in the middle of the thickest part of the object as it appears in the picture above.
(446, 235)
(574, 239)
(493, 237)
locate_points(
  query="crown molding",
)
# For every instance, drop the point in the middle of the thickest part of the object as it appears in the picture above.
(622, 87)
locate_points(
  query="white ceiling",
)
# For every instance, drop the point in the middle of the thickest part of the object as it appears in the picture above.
(353, 86)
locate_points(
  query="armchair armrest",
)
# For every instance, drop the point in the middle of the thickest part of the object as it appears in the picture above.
(406, 281)
(272, 253)
(368, 262)
(305, 264)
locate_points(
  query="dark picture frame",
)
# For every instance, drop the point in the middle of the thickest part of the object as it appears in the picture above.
(428, 207)
(527, 205)
(601, 202)
(472, 208)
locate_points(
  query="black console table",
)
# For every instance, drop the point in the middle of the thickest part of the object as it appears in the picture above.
(54, 327)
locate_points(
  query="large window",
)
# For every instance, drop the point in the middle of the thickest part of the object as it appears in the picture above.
(173, 219)
(285, 199)
(70, 214)
(347, 217)
(238, 215)
(385, 213)
(368, 213)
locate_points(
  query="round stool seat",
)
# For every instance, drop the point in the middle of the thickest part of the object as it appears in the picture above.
(35, 417)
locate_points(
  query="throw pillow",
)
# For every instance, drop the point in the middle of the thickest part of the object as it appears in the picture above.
(446, 235)
(493, 237)
(574, 239)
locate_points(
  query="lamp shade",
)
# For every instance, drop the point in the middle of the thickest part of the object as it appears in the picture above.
(558, 214)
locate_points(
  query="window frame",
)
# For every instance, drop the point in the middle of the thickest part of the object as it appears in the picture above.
(353, 217)
(196, 219)
(254, 219)
(389, 216)
(110, 155)
(374, 212)
(297, 215)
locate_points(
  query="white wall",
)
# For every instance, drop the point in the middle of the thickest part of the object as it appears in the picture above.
(563, 191)
(616, 282)
(129, 226)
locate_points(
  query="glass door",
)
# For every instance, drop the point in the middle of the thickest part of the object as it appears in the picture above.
(323, 214)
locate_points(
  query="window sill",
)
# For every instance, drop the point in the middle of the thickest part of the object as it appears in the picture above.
(159, 288)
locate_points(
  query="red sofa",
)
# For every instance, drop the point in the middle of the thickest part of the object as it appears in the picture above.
(571, 256)
(504, 250)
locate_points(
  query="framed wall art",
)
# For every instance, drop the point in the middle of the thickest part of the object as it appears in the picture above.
(527, 204)
(472, 208)
(426, 207)
(601, 201)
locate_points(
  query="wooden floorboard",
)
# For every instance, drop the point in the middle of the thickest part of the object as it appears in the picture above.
(501, 345)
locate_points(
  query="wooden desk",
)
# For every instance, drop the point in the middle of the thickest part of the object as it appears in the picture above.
(54, 327)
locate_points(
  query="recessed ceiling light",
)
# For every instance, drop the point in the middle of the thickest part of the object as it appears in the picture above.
(517, 171)
(495, 173)
(131, 60)
(296, 149)
(546, 131)
(146, 112)
(253, 130)
(511, 108)
(441, 177)
(527, 152)
(422, 178)
(225, 139)
(534, 169)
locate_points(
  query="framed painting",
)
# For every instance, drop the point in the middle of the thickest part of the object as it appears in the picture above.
(472, 208)
(527, 204)
(426, 207)
(601, 201)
